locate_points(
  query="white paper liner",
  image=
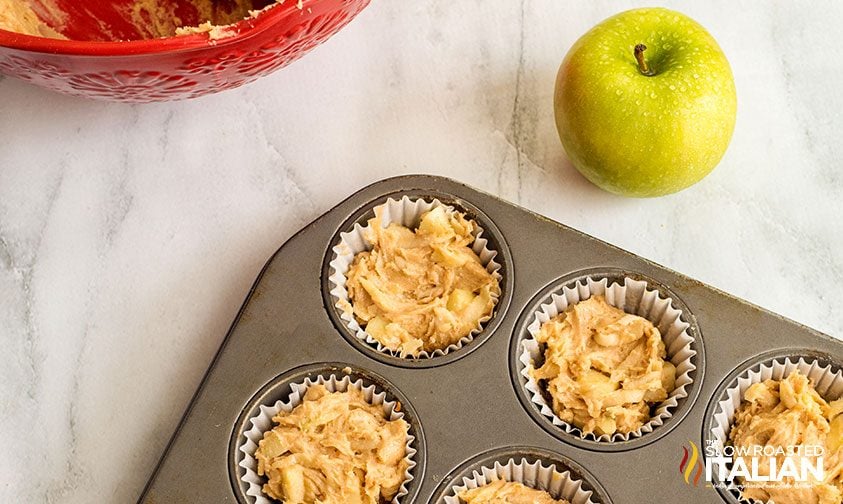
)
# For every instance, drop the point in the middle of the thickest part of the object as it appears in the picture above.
(633, 296)
(827, 382)
(262, 423)
(406, 212)
(560, 485)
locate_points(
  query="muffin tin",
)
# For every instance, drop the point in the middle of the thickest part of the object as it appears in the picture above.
(468, 408)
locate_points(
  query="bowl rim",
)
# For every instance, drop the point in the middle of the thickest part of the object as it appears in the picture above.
(243, 29)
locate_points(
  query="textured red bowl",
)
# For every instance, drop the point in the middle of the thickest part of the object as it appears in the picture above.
(169, 68)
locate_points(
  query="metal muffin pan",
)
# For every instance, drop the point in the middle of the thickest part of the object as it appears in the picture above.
(467, 406)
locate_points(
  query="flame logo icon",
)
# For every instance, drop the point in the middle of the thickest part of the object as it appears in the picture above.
(691, 460)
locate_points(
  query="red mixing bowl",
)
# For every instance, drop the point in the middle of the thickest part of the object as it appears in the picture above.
(107, 59)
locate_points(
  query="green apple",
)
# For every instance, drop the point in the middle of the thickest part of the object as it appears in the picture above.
(645, 103)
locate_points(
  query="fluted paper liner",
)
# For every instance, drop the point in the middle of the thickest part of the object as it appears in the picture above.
(406, 212)
(262, 422)
(827, 382)
(634, 297)
(559, 484)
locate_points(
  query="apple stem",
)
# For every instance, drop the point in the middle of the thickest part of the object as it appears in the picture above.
(642, 63)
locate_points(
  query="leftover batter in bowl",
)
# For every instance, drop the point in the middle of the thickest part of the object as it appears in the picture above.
(333, 448)
(148, 18)
(421, 289)
(19, 17)
(784, 414)
(507, 492)
(604, 369)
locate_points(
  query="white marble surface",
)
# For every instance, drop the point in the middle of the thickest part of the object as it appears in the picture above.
(129, 235)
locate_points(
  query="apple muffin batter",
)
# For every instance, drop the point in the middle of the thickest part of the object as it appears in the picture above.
(507, 492)
(149, 18)
(18, 16)
(333, 448)
(603, 368)
(423, 289)
(784, 414)
(157, 18)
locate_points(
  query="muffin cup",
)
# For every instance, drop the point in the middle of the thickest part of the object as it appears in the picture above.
(826, 378)
(262, 422)
(559, 484)
(632, 296)
(406, 212)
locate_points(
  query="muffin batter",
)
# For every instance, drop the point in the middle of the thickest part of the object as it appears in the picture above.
(18, 16)
(422, 289)
(507, 492)
(157, 18)
(148, 18)
(333, 448)
(603, 368)
(784, 414)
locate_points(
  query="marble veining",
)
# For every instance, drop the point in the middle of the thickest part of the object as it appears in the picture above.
(129, 235)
